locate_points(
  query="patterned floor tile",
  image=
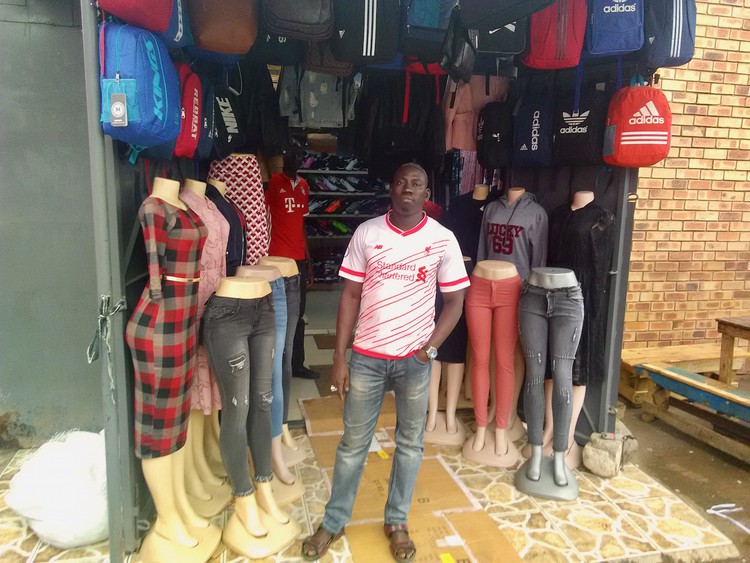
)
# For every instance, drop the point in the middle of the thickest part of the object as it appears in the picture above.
(588, 493)
(534, 537)
(631, 484)
(496, 492)
(17, 540)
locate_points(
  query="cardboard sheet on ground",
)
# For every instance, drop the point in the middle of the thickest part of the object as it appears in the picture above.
(383, 447)
(436, 490)
(325, 415)
(446, 538)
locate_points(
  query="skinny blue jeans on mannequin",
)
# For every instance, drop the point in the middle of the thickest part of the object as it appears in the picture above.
(369, 378)
(278, 289)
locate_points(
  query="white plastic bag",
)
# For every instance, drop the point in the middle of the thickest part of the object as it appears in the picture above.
(62, 490)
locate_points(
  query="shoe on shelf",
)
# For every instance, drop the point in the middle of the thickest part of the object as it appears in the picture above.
(306, 373)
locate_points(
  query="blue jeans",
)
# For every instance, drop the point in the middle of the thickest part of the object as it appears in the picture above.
(279, 304)
(369, 378)
(549, 323)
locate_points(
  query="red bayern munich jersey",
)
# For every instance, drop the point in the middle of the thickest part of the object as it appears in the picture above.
(400, 271)
(287, 201)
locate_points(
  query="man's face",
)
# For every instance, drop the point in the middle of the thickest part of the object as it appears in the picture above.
(409, 190)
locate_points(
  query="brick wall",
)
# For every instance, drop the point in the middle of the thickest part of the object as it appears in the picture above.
(691, 239)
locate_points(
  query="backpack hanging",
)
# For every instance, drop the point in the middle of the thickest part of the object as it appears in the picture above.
(273, 49)
(224, 26)
(486, 15)
(319, 58)
(135, 63)
(191, 109)
(507, 39)
(639, 126)
(495, 135)
(580, 118)
(309, 20)
(533, 128)
(424, 24)
(153, 15)
(556, 35)
(459, 49)
(614, 27)
(208, 123)
(363, 31)
(669, 30)
(178, 34)
(229, 134)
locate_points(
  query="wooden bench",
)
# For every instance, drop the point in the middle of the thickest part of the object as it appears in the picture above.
(700, 392)
(700, 358)
(730, 329)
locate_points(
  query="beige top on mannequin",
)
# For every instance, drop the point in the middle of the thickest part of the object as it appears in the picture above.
(198, 188)
(581, 199)
(494, 270)
(514, 194)
(481, 191)
(219, 185)
(243, 288)
(269, 273)
(552, 278)
(168, 191)
(286, 266)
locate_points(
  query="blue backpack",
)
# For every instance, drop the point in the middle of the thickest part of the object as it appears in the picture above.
(614, 27)
(135, 62)
(208, 125)
(178, 33)
(669, 33)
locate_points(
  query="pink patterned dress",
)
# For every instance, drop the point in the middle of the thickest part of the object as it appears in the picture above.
(204, 394)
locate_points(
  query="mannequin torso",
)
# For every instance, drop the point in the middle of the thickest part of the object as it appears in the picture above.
(481, 191)
(581, 199)
(198, 188)
(268, 273)
(552, 278)
(494, 270)
(243, 288)
(168, 191)
(219, 185)
(286, 266)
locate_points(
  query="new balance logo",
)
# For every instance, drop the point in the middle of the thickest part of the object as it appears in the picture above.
(378, 247)
(619, 7)
(574, 121)
(647, 114)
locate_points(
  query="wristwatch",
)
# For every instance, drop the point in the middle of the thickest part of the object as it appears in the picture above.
(431, 351)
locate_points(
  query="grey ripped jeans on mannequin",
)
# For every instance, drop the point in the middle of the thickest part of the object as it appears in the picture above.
(549, 322)
(239, 335)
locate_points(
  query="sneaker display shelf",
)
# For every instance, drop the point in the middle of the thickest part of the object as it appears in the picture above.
(341, 197)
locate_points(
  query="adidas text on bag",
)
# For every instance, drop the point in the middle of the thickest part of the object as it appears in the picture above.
(614, 27)
(639, 127)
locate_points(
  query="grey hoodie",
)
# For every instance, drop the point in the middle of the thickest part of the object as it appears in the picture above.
(515, 233)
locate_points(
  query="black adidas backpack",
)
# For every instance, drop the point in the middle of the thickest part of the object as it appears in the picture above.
(364, 31)
(495, 135)
(533, 128)
(669, 33)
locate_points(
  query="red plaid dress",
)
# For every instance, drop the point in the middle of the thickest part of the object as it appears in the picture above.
(162, 331)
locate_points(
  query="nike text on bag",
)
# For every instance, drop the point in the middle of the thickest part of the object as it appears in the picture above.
(364, 31)
(669, 30)
(135, 62)
(495, 135)
(639, 127)
(615, 27)
(579, 131)
(309, 20)
(191, 110)
(153, 15)
(178, 33)
(229, 135)
(224, 26)
(533, 131)
(424, 26)
(556, 35)
(485, 15)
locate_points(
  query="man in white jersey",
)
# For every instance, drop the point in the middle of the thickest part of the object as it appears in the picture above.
(391, 270)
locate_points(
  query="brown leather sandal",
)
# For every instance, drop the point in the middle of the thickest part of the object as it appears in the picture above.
(403, 551)
(314, 548)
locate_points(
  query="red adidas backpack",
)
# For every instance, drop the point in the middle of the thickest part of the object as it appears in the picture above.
(192, 107)
(639, 127)
(152, 15)
(556, 35)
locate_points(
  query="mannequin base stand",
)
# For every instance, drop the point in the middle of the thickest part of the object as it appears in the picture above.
(487, 455)
(441, 437)
(159, 549)
(280, 536)
(220, 498)
(292, 457)
(287, 494)
(546, 487)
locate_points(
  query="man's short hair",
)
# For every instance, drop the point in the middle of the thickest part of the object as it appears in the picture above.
(412, 165)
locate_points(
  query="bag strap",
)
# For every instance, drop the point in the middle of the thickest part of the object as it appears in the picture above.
(637, 80)
(579, 83)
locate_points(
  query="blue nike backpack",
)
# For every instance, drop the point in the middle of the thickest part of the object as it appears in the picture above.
(669, 33)
(135, 62)
(614, 27)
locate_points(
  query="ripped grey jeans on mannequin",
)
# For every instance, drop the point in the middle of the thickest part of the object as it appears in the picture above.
(239, 335)
(549, 322)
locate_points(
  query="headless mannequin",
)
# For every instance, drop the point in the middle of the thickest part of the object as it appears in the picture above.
(257, 520)
(504, 450)
(533, 476)
(219, 185)
(178, 532)
(208, 492)
(280, 468)
(514, 193)
(288, 268)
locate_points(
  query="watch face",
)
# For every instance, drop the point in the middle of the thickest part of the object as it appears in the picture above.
(432, 353)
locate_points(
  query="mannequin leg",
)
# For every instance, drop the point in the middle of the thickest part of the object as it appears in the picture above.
(266, 501)
(287, 438)
(432, 405)
(561, 479)
(519, 368)
(197, 423)
(455, 376)
(478, 320)
(211, 446)
(159, 474)
(193, 483)
(505, 336)
(478, 442)
(534, 470)
(280, 468)
(246, 509)
(185, 509)
(549, 422)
